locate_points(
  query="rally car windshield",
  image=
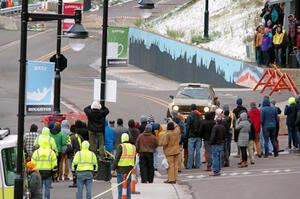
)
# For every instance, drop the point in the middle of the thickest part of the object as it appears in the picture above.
(193, 93)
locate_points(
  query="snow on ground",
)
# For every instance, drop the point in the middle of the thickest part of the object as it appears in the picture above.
(232, 24)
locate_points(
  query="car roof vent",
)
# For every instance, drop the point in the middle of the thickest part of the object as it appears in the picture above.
(4, 133)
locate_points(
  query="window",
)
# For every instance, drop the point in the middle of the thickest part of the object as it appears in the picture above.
(193, 93)
(9, 159)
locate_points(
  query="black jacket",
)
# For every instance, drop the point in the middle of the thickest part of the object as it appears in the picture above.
(218, 135)
(120, 169)
(95, 118)
(252, 132)
(206, 129)
(238, 110)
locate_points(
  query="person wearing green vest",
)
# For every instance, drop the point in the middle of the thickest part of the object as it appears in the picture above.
(124, 163)
(45, 160)
(84, 163)
(61, 142)
(45, 135)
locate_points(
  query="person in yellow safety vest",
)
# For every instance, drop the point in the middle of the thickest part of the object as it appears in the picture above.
(84, 163)
(279, 41)
(124, 163)
(45, 135)
(73, 146)
(45, 160)
(230, 120)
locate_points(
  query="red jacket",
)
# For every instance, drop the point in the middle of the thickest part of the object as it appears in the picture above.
(254, 116)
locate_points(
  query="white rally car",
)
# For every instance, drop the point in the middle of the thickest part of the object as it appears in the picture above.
(187, 94)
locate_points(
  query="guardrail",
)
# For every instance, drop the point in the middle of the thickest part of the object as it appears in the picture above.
(17, 9)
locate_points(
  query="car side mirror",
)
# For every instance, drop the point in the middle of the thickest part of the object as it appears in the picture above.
(171, 96)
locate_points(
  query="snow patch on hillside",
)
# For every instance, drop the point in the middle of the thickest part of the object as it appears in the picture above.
(232, 23)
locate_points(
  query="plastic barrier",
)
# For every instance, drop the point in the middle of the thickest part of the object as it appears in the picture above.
(276, 81)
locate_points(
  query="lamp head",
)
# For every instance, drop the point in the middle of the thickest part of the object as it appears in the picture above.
(77, 33)
(146, 4)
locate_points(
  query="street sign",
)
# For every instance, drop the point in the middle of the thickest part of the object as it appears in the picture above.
(39, 87)
(69, 9)
(110, 90)
(62, 62)
(117, 46)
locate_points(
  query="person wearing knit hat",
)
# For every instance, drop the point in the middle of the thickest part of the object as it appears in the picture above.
(34, 181)
(150, 119)
(193, 125)
(254, 117)
(273, 103)
(146, 144)
(239, 109)
(96, 115)
(123, 163)
(96, 105)
(291, 112)
(229, 123)
(143, 120)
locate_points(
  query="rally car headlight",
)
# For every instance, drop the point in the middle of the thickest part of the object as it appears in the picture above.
(206, 109)
(175, 108)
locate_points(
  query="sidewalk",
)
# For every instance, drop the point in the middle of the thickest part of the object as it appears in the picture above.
(157, 190)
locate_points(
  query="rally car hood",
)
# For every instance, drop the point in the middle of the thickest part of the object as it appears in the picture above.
(198, 102)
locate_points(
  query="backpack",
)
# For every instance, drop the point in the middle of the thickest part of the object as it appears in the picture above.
(196, 121)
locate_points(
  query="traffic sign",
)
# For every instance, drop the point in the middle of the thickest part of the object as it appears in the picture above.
(61, 63)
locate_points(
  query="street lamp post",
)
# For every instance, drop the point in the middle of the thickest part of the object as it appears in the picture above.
(56, 58)
(103, 59)
(206, 19)
(76, 32)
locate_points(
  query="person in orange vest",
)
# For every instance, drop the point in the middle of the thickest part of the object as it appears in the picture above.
(124, 163)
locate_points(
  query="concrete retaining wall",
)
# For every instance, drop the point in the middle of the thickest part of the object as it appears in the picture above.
(185, 63)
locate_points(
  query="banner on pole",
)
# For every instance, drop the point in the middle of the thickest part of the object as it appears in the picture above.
(39, 87)
(69, 9)
(117, 45)
(110, 90)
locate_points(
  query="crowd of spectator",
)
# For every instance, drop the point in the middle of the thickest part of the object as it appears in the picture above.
(6, 4)
(273, 43)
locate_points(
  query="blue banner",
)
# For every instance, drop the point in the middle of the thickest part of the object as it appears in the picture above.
(39, 87)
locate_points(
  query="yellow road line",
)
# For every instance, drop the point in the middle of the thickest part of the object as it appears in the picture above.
(147, 97)
(152, 97)
(49, 55)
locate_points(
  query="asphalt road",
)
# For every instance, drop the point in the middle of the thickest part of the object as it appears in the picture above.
(134, 100)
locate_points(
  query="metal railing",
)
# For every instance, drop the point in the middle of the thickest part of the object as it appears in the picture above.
(17, 9)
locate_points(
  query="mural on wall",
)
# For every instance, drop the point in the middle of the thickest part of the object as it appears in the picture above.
(185, 63)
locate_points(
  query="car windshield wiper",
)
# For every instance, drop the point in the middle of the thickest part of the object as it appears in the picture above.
(189, 96)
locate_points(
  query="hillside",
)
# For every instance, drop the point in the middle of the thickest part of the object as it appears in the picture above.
(232, 25)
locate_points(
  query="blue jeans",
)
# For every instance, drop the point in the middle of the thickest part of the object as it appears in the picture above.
(278, 56)
(217, 152)
(258, 55)
(266, 56)
(292, 136)
(84, 178)
(194, 149)
(227, 149)
(120, 178)
(269, 133)
(262, 142)
(298, 56)
(46, 183)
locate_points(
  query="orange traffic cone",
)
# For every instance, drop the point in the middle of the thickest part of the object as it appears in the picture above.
(124, 190)
(133, 182)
